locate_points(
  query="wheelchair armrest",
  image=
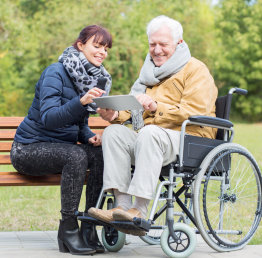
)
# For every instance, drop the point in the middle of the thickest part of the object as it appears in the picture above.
(213, 121)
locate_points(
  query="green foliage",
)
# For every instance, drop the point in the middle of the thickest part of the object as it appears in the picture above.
(238, 57)
(34, 33)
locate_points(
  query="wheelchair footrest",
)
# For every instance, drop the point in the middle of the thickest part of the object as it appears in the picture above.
(136, 224)
(91, 220)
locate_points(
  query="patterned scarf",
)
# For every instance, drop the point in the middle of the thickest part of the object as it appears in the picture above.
(85, 75)
(151, 75)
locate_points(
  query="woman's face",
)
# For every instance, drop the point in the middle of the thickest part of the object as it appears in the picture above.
(94, 52)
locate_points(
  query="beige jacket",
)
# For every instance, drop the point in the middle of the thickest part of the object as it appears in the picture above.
(189, 92)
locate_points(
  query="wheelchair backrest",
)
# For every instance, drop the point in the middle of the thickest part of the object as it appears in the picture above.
(196, 148)
(223, 105)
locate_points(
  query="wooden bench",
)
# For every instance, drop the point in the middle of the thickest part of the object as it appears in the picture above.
(8, 175)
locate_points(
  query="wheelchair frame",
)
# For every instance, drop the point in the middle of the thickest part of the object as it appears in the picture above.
(195, 170)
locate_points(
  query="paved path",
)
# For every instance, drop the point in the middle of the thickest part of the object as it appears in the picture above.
(43, 244)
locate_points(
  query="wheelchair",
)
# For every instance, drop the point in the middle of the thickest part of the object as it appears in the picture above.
(216, 184)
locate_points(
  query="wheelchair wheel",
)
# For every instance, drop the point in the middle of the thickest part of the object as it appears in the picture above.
(184, 246)
(159, 220)
(112, 239)
(227, 197)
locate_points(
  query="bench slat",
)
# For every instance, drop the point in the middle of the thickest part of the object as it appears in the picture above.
(16, 179)
(13, 122)
(10, 122)
(5, 146)
(5, 160)
(97, 123)
(7, 135)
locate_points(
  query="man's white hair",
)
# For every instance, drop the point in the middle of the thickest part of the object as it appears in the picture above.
(164, 21)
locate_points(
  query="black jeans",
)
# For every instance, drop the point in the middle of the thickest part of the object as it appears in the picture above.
(72, 161)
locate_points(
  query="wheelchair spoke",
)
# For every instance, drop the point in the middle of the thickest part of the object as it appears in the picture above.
(229, 197)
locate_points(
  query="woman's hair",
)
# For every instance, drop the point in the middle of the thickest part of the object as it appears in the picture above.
(162, 20)
(102, 36)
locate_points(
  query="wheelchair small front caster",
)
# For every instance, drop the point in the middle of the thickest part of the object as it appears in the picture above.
(112, 239)
(183, 246)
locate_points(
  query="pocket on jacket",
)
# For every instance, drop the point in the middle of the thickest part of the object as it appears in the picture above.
(178, 87)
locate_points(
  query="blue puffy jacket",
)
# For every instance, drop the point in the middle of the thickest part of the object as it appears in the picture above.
(56, 114)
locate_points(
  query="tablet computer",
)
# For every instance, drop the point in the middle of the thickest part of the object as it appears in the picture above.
(118, 102)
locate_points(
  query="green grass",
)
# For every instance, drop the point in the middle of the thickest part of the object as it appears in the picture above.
(38, 208)
(30, 208)
(249, 136)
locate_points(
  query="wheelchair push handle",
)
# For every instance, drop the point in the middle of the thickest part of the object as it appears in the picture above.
(238, 91)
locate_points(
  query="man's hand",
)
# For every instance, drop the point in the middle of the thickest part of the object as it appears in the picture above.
(95, 140)
(147, 102)
(107, 114)
(93, 93)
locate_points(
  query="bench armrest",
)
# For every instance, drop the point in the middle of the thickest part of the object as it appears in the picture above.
(212, 121)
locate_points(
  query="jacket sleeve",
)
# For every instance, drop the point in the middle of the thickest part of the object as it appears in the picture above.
(198, 98)
(53, 113)
(84, 132)
(123, 116)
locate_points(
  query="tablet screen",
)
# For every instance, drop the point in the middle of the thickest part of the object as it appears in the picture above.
(118, 102)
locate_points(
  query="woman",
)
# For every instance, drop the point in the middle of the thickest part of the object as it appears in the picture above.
(45, 142)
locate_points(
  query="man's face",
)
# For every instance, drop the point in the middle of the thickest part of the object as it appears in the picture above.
(161, 46)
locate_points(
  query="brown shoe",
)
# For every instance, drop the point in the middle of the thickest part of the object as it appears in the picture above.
(103, 215)
(121, 215)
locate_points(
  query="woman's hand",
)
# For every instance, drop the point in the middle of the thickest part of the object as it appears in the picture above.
(107, 114)
(93, 93)
(95, 140)
(147, 102)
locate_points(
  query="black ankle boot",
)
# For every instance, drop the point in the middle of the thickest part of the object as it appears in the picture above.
(70, 239)
(90, 237)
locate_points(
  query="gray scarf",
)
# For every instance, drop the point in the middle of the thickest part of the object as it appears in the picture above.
(84, 74)
(151, 75)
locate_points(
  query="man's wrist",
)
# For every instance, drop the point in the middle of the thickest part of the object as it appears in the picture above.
(116, 115)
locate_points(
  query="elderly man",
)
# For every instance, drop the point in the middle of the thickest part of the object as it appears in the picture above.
(171, 86)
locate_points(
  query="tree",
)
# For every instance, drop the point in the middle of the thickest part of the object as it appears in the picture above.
(238, 56)
(12, 30)
(35, 34)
